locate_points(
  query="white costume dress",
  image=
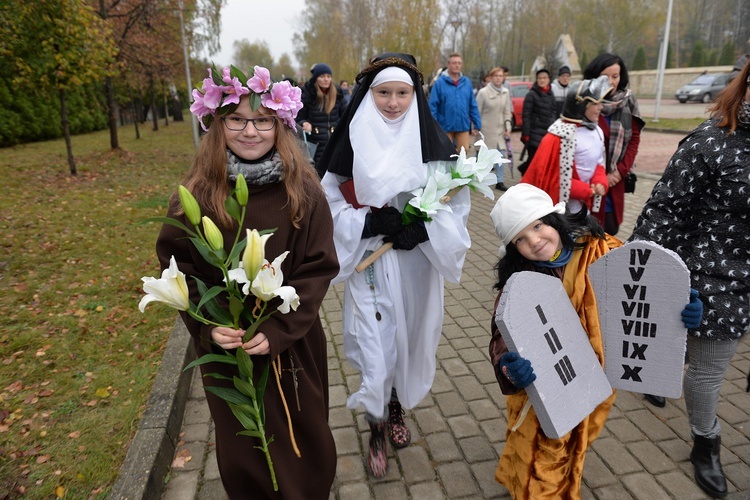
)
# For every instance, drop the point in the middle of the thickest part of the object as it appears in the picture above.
(398, 351)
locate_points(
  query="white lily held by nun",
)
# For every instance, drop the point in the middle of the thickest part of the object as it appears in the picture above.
(427, 199)
(478, 170)
(171, 289)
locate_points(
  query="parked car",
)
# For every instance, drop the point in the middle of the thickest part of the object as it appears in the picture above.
(518, 91)
(705, 88)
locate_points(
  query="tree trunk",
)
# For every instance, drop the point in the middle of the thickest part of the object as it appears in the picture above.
(166, 108)
(66, 132)
(110, 89)
(154, 109)
(135, 115)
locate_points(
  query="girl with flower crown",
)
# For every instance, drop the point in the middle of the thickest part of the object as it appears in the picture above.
(387, 144)
(250, 130)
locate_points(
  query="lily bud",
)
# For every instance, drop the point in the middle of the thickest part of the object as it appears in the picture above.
(213, 235)
(241, 190)
(189, 205)
(255, 253)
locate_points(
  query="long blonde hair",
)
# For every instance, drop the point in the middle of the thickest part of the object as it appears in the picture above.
(207, 177)
(326, 100)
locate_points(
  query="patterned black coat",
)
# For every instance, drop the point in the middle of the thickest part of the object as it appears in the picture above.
(701, 209)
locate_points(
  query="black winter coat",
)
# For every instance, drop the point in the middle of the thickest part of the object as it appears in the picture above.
(539, 112)
(323, 124)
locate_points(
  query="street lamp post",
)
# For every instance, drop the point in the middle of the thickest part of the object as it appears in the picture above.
(193, 119)
(662, 63)
(455, 23)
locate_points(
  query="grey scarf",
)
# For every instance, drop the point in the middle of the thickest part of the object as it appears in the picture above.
(256, 174)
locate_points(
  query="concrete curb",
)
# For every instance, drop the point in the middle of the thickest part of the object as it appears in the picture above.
(151, 452)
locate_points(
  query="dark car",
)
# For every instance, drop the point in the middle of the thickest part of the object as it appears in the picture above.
(518, 91)
(705, 88)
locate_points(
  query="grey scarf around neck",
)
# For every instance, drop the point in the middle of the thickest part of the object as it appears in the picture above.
(256, 174)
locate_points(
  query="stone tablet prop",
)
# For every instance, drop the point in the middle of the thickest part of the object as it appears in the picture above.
(537, 320)
(641, 289)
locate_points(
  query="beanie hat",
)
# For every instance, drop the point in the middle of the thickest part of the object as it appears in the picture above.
(518, 207)
(563, 71)
(321, 69)
(543, 70)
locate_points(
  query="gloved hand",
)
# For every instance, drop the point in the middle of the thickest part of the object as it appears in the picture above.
(409, 237)
(387, 220)
(524, 139)
(693, 312)
(517, 369)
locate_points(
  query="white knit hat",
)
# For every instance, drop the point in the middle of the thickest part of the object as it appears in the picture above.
(518, 207)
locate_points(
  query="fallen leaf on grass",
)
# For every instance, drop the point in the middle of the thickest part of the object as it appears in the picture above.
(75, 435)
(59, 492)
(102, 393)
(42, 459)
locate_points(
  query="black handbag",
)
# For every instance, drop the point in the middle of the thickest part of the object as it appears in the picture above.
(630, 181)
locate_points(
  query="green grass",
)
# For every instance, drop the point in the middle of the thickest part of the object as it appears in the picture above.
(673, 124)
(77, 358)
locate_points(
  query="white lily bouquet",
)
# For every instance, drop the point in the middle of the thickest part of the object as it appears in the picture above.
(441, 186)
(249, 284)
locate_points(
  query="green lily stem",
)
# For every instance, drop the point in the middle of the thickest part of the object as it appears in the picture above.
(264, 446)
(237, 236)
(207, 321)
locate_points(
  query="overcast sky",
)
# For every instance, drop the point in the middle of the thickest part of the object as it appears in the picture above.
(271, 21)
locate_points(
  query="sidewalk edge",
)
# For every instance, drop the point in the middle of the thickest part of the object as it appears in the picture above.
(150, 454)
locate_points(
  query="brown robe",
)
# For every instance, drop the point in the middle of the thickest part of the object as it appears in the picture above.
(532, 465)
(309, 268)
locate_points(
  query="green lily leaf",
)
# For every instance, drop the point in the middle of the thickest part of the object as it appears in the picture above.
(217, 376)
(244, 419)
(235, 307)
(261, 390)
(229, 395)
(255, 434)
(244, 386)
(232, 208)
(212, 358)
(244, 363)
(208, 254)
(171, 222)
(217, 313)
(234, 256)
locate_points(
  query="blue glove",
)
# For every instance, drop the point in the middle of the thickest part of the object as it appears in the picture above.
(517, 369)
(693, 312)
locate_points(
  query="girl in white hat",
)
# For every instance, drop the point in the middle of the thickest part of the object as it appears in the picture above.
(537, 235)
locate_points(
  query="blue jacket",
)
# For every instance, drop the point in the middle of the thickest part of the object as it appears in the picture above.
(454, 105)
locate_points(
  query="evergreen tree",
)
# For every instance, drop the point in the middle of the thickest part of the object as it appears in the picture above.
(639, 61)
(727, 53)
(698, 55)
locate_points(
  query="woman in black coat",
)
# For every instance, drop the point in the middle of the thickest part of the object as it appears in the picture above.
(322, 106)
(539, 112)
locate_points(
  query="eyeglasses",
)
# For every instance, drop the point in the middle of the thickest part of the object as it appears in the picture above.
(238, 124)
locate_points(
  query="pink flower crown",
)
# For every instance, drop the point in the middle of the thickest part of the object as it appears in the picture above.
(221, 94)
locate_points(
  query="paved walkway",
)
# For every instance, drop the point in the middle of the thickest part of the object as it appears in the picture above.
(459, 429)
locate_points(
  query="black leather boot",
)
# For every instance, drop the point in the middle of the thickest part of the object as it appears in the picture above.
(708, 472)
(658, 401)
